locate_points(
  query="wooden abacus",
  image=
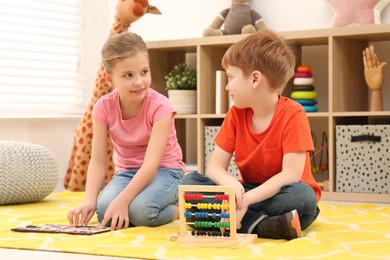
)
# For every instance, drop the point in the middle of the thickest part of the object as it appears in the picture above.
(227, 211)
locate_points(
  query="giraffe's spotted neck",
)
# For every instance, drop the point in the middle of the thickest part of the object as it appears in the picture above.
(119, 26)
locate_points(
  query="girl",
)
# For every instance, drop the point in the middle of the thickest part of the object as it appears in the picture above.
(140, 123)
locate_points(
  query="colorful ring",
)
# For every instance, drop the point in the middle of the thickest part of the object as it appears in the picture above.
(303, 68)
(303, 81)
(304, 95)
(303, 74)
(306, 102)
(310, 109)
(303, 87)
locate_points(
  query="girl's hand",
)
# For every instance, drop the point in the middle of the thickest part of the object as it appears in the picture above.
(80, 216)
(118, 212)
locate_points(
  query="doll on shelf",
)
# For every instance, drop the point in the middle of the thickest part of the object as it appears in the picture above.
(373, 73)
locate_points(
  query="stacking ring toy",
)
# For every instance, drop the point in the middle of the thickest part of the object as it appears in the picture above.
(303, 87)
(304, 95)
(303, 68)
(306, 102)
(310, 108)
(303, 74)
(303, 81)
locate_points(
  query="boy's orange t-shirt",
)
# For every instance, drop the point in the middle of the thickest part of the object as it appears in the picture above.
(259, 155)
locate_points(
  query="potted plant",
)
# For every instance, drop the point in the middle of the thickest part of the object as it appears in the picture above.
(181, 87)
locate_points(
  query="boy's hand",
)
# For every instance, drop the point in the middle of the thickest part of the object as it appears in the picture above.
(239, 192)
(241, 205)
(118, 213)
(80, 216)
(240, 212)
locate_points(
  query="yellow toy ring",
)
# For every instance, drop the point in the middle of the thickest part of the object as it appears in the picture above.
(304, 95)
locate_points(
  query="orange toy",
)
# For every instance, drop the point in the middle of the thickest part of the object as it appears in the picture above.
(304, 69)
(127, 12)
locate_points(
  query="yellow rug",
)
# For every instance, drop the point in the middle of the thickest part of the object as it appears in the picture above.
(341, 232)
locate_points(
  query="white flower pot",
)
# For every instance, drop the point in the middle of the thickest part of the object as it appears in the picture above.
(184, 101)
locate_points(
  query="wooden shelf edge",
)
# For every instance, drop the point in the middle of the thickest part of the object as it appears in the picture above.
(317, 114)
(361, 113)
(309, 37)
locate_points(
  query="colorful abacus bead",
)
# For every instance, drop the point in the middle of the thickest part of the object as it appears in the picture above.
(217, 206)
(224, 215)
(193, 196)
(221, 197)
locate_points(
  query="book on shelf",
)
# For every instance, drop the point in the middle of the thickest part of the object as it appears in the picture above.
(221, 95)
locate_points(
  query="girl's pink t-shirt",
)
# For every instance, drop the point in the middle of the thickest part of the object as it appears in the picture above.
(130, 137)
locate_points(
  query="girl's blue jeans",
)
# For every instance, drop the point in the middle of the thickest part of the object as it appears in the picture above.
(153, 206)
(299, 196)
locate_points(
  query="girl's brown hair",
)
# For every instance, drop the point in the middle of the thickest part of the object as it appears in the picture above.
(266, 52)
(120, 46)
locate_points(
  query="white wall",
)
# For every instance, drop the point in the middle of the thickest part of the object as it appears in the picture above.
(188, 18)
(179, 19)
(54, 134)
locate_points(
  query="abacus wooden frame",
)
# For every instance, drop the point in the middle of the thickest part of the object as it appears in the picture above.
(234, 240)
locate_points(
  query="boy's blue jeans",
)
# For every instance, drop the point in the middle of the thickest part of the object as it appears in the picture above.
(154, 206)
(299, 196)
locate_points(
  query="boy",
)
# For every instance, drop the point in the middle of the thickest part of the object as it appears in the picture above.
(270, 135)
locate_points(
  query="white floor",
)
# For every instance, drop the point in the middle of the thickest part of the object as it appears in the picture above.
(13, 254)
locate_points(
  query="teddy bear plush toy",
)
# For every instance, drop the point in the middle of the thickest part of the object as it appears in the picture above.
(237, 19)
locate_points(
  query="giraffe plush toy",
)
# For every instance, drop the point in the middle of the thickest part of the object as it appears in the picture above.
(127, 12)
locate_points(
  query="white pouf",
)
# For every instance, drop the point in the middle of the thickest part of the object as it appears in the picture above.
(28, 172)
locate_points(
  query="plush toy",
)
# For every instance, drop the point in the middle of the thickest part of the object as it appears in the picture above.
(237, 19)
(356, 12)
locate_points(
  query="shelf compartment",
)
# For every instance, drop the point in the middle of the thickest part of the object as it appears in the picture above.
(317, 58)
(350, 91)
(163, 61)
(320, 126)
(186, 130)
(210, 58)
